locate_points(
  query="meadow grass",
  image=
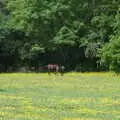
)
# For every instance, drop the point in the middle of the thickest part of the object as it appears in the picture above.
(74, 96)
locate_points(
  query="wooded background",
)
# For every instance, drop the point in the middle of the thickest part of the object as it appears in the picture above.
(82, 35)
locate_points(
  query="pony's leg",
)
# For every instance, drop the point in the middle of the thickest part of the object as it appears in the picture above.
(57, 71)
(62, 72)
(49, 71)
(54, 71)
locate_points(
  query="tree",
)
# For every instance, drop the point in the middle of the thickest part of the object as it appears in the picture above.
(111, 51)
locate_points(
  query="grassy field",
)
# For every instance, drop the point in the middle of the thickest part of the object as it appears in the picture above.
(74, 96)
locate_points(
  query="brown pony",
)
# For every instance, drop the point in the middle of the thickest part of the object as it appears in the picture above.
(53, 68)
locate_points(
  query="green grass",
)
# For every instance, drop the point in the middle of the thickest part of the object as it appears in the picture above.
(75, 96)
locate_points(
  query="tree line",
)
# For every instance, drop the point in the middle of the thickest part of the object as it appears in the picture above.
(82, 35)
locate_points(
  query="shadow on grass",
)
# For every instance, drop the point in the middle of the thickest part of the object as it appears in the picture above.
(2, 90)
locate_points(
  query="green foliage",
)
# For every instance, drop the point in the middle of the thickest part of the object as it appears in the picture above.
(111, 54)
(65, 37)
(91, 50)
(73, 29)
(30, 51)
(111, 51)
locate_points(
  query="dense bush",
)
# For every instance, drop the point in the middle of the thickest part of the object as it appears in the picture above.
(111, 54)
